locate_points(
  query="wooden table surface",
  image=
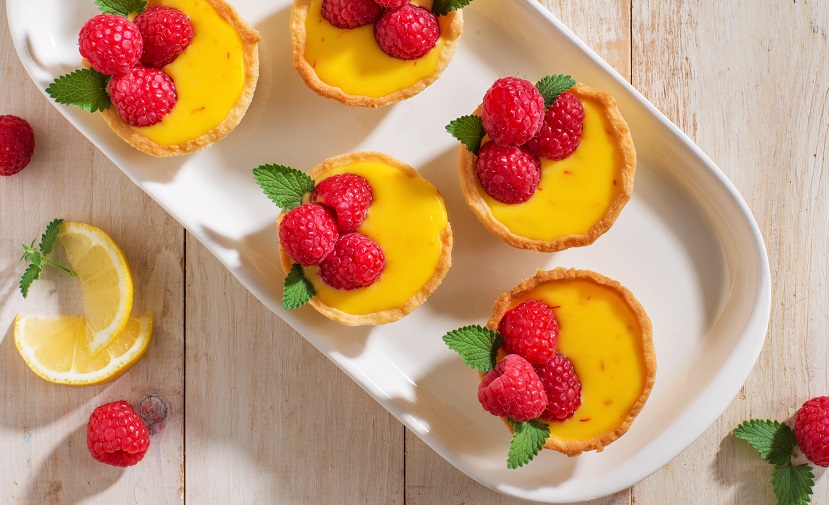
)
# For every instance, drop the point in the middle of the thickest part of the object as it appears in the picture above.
(748, 80)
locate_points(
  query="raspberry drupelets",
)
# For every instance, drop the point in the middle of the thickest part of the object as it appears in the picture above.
(512, 111)
(391, 4)
(347, 196)
(351, 13)
(562, 386)
(111, 44)
(508, 174)
(142, 96)
(356, 262)
(530, 329)
(166, 32)
(307, 234)
(560, 133)
(512, 389)
(17, 143)
(811, 429)
(116, 435)
(408, 32)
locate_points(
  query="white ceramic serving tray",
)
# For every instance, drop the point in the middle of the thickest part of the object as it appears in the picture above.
(686, 244)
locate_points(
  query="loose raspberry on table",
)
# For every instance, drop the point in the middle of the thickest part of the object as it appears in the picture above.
(142, 96)
(530, 329)
(563, 388)
(391, 4)
(811, 430)
(356, 262)
(513, 389)
(347, 196)
(512, 111)
(17, 143)
(307, 234)
(351, 13)
(111, 44)
(166, 33)
(116, 435)
(407, 33)
(560, 134)
(508, 174)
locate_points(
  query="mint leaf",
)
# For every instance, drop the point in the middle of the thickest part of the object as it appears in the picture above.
(31, 274)
(469, 130)
(477, 346)
(50, 236)
(298, 290)
(444, 7)
(774, 441)
(85, 88)
(793, 484)
(285, 186)
(121, 7)
(553, 85)
(527, 440)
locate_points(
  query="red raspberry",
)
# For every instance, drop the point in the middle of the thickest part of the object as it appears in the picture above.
(166, 32)
(391, 4)
(507, 173)
(307, 234)
(350, 13)
(562, 386)
(116, 435)
(111, 44)
(17, 143)
(356, 262)
(142, 96)
(512, 389)
(348, 196)
(512, 111)
(811, 429)
(530, 329)
(407, 32)
(560, 133)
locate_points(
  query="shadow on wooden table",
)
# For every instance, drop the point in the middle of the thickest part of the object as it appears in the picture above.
(739, 466)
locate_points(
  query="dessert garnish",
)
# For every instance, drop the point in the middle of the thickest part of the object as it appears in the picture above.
(116, 435)
(17, 144)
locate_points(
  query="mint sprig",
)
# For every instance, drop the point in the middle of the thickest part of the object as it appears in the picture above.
(297, 290)
(37, 257)
(527, 441)
(477, 346)
(444, 7)
(552, 86)
(121, 7)
(469, 130)
(285, 186)
(85, 88)
(793, 484)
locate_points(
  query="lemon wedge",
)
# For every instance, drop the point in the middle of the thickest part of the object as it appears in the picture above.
(105, 279)
(57, 348)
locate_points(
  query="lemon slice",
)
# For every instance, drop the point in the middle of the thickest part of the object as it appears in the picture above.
(57, 348)
(105, 280)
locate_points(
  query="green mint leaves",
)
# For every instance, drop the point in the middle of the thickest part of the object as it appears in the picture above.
(469, 130)
(298, 290)
(50, 236)
(476, 345)
(527, 440)
(444, 7)
(285, 186)
(121, 7)
(793, 484)
(553, 85)
(85, 88)
(37, 257)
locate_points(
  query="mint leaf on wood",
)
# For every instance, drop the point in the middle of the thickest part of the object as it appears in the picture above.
(553, 85)
(285, 186)
(477, 346)
(527, 440)
(444, 7)
(121, 7)
(469, 130)
(774, 441)
(793, 484)
(298, 290)
(31, 274)
(50, 236)
(85, 88)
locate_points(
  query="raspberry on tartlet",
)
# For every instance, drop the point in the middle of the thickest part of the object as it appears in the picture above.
(166, 31)
(408, 32)
(308, 234)
(530, 329)
(351, 13)
(508, 174)
(111, 44)
(356, 262)
(563, 388)
(347, 196)
(512, 111)
(142, 96)
(560, 133)
(513, 389)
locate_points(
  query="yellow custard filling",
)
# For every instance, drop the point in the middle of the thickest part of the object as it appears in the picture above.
(406, 219)
(351, 60)
(574, 193)
(209, 76)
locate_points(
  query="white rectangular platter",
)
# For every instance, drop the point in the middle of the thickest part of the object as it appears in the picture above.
(686, 244)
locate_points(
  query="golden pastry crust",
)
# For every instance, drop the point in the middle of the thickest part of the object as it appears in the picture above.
(386, 316)
(250, 38)
(618, 129)
(574, 448)
(299, 37)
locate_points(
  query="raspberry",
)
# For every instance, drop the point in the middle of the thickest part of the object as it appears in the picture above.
(17, 143)
(560, 133)
(407, 32)
(166, 32)
(111, 44)
(811, 429)
(356, 262)
(562, 386)
(512, 389)
(512, 111)
(307, 234)
(391, 4)
(116, 435)
(530, 329)
(350, 13)
(348, 196)
(507, 173)
(142, 96)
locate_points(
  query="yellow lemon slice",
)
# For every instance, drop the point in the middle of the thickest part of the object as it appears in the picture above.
(57, 348)
(105, 280)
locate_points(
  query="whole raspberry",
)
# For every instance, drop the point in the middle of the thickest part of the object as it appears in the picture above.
(142, 96)
(512, 389)
(350, 13)
(111, 44)
(17, 143)
(512, 111)
(166, 32)
(530, 329)
(356, 262)
(307, 234)
(391, 4)
(348, 196)
(407, 33)
(562, 386)
(507, 173)
(116, 435)
(560, 134)
(811, 429)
